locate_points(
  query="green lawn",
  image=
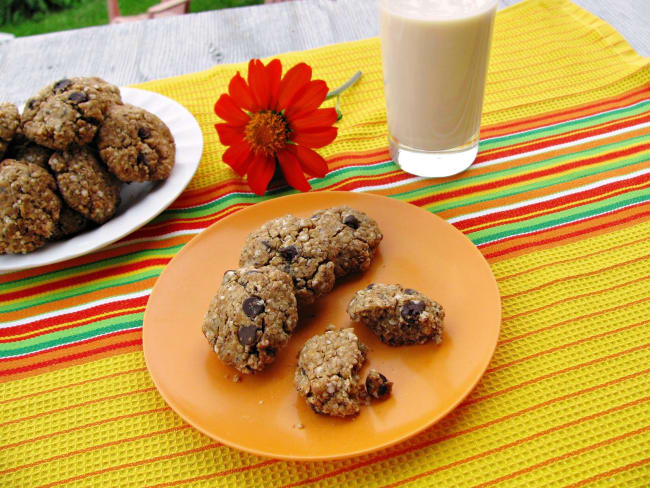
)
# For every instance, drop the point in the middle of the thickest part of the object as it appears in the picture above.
(93, 12)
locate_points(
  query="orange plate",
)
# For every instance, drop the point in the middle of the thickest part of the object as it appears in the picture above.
(260, 414)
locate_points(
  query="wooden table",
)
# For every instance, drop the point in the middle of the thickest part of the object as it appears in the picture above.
(151, 49)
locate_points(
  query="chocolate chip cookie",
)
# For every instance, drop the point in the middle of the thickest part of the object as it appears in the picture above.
(68, 111)
(398, 315)
(29, 206)
(327, 375)
(292, 244)
(22, 149)
(84, 183)
(352, 238)
(251, 317)
(136, 145)
(9, 123)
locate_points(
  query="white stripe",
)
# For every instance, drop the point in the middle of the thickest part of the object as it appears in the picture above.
(561, 146)
(546, 198)
(586, 117)
(160, 237)
(70, 343)
(77, 308)
(557, 225)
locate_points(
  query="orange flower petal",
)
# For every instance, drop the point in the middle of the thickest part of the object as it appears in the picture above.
(310, 161)
(259, 83)
(315, 137)
(308, 99)
(293, 171)
(294, 80)
(260, 173)
(228, 134)
(320, 118)
(239, 90)
(238, 157)
(274, 75)
(228, 110)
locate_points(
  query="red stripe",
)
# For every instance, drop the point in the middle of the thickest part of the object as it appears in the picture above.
(80, 279)
(535, 243)
(529, 176)
(72, 357)
(572, 200)
(569, 137)
(42, 323)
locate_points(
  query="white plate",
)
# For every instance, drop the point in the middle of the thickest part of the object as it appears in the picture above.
(141, 202)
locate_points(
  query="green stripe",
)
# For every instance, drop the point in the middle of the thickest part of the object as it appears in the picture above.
(74, 334)
(559, 218)
(573, 175)
(570, 126)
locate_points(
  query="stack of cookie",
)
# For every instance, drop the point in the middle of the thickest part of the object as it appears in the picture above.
(67, 156)
(289, 261)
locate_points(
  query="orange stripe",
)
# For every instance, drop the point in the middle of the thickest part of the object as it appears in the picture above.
(532, 381)
(79, 383)
(575, 297)
(77, 405)
(611, 472)
(430, 442)
(85, 426)
(75, 354)
(577, 276)
(96, 447)
(577, 452)
(565, 346)
(598, 313)
(522, 441)
(215, 475)
(130, 465)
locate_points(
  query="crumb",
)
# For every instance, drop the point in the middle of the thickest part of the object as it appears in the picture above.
(261, 402)
(330, 327)
(236, 378)
(298, 426)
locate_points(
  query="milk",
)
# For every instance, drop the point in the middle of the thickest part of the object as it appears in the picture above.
(435, 57)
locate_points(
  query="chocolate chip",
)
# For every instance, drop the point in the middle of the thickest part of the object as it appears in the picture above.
(247, 335)
(78, 97)
(288, 252)
(92, 120)
(382, 390)
(351, 221)
(410, 291)
(61, 85)
(411, 310)
(141, 159)
(30, 104)
(253, 306)
(143, 133)
(370, 286)
(267, 245)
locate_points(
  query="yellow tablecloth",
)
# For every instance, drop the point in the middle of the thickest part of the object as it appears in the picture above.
(558, 201)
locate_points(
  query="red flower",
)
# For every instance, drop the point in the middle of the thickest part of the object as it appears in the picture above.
(274, 119)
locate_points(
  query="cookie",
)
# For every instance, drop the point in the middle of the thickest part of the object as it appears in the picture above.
(398, 315)
(29, 206)
(9, 123)
(291, 244)
(251, 317)
(22, 149)
(136, 145)
(68, 111)
(352, 238)
(327, 375)
(377, 385)
(84, 183)
(70, 223)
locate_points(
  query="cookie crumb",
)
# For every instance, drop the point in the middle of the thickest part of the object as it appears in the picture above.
(298, 426)
(236, 378)
(378, 386)
(261, 402)
(330, 328)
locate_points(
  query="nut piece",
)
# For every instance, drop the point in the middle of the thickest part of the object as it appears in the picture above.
(327, 375)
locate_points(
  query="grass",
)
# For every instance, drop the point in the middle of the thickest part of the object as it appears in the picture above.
(93, 12)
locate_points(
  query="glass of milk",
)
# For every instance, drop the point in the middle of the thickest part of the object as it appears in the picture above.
(435, 57)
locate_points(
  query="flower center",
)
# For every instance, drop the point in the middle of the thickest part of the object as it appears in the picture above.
(267, 132)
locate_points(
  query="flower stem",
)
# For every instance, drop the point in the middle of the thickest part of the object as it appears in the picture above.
(337, 92)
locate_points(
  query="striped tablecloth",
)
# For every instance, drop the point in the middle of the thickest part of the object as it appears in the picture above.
(558, 201)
